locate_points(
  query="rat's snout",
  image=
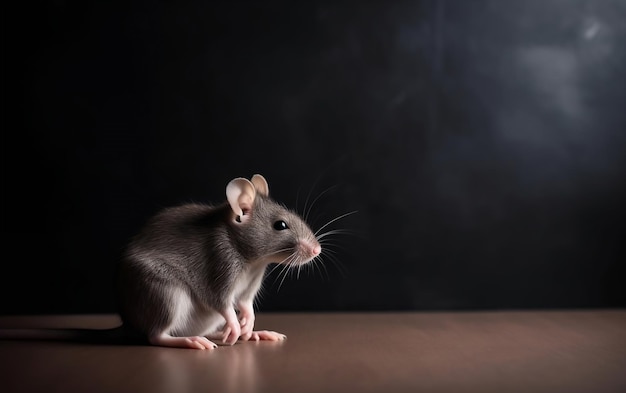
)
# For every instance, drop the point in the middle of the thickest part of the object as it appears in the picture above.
(317, 249)
(310, 248)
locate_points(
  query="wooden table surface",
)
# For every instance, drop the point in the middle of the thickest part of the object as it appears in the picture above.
(518, 351)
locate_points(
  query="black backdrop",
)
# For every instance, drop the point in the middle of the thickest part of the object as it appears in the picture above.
(481, 142)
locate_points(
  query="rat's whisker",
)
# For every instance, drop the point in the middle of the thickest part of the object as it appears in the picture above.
(280, 263)
(331, 256)
(334, 220)
(308, 211)
(284, 267)
(318, 263)
(334, 232)
(306, 202)
(332, 247)
(288, 267)
(277, 253)
(284, 273)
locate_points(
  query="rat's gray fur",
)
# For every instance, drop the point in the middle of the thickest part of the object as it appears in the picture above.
(193, 262)
(185, 276)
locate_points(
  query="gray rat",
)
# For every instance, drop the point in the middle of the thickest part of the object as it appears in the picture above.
(192, 273)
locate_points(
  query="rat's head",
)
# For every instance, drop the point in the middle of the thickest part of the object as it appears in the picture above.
(265, 230)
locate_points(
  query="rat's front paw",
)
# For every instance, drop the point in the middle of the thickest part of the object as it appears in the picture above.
(231, 333)
(247, 325)
(246, 319)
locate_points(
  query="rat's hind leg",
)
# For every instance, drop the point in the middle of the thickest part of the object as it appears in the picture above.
(174, 321)
(194, 342)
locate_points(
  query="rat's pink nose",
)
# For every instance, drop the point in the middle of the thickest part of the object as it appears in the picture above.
(317, 250)
(310, 248)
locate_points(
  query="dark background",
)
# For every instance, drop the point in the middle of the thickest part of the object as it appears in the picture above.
(482, 143)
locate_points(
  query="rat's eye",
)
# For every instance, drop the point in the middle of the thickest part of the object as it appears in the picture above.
(280, 225)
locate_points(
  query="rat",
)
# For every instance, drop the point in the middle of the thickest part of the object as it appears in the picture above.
(189, 278)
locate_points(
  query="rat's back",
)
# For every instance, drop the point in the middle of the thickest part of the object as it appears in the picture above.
(164, 266)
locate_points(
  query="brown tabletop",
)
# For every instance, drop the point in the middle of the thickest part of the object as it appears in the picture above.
(530, 351)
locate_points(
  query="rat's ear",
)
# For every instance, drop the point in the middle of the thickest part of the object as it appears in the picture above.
(261, 185)
(240, 193)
